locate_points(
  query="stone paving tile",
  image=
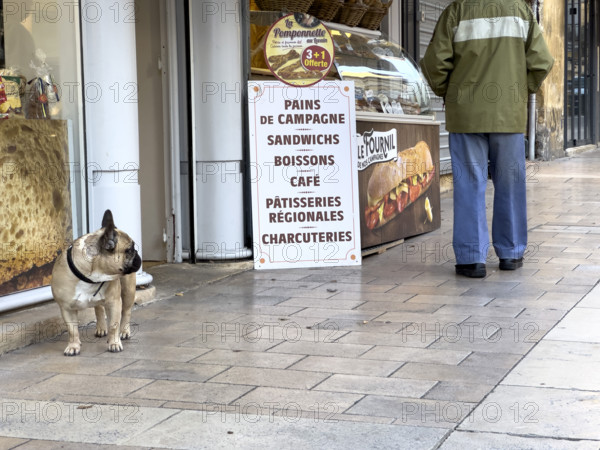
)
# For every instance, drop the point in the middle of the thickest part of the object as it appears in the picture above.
(156, 353)
(122, 405)
(581, 324)
(189, 392)
(50, 445)
(249, 308)
(294, 399)
(188, 428)
(482, 311)
(326, 416)
(319, 303)
(591, 300)
(446, 288)
(81, 365)
(248, 359)
(559, 364)
(496, 359)
(504, 344)
(391, 306)
(11, 442)
(491, 328)
(348, 366)
(362, 278)
(354, 287)
(414, 411)
(327, 331)
(169, 370)
(309, 293)
(404, 354)
(177, 315)
(393, 295)
(445, 372)
(535, 314)
(528, 411)
(459, 440)
(548, 301)
(459, 391)
(418, 335)
(450, 300)
(248, 324)
(56, 421)
(17, 380)
(333, 328)
(56, 346)
(103, 386)
(394, 387)
(173, 338)
(437, 316)
(230, 339)
(333, 314)
(581, 375)
(321, 349)
(219, 304)
(253, 376)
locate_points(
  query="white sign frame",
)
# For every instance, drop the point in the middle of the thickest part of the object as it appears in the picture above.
(304, 175)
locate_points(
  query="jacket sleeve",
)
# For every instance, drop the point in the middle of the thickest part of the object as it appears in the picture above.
(539, 59)
(438, 62)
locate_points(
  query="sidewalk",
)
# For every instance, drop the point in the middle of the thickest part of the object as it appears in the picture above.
(397, 354)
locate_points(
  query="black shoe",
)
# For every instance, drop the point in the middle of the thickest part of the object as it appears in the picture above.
(476, 270)
(511, 264)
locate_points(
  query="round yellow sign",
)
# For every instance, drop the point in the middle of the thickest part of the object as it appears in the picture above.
(299, 50)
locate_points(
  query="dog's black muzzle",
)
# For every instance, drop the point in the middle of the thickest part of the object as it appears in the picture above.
(134, 265)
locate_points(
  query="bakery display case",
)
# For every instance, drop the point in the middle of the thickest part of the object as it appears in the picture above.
(386, 79)
(397, 135)
(397, 138)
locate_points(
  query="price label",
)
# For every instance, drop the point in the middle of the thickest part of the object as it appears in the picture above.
(316, 57)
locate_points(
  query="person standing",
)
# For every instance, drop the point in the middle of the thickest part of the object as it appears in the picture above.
(484, 58)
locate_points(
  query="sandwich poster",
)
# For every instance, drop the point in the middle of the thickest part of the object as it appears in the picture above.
(304, 176)
(398, 180)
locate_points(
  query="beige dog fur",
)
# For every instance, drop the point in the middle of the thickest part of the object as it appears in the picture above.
(101, 275)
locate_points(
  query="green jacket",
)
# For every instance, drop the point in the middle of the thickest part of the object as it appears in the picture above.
(484, 58)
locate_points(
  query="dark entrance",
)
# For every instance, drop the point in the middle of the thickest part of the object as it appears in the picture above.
(580, 73)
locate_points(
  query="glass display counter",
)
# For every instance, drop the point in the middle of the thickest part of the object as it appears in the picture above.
(386, 79)
(397, 136)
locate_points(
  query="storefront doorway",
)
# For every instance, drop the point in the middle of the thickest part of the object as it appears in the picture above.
(580, 73)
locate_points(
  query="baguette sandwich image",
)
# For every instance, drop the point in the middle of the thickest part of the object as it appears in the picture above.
(395, 184)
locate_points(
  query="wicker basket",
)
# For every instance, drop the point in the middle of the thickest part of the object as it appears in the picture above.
(351, 13)
(301, 6)
(325, 9)
(374, 15)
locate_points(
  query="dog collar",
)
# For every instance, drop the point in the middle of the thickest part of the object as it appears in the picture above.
(77, 273)
(74, 269)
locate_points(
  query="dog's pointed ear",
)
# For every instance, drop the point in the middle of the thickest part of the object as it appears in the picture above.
(108, 241)
(107, 218)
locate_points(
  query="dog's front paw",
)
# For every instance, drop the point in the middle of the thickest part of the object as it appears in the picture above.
(125, 332)
(115, 347)
(101, 331)
(72, 349)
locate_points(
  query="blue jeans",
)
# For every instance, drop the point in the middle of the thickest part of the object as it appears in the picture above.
(470, 154)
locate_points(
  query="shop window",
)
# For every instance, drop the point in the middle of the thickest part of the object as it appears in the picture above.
(42, 166)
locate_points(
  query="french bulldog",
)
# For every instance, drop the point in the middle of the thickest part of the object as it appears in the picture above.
(98, 271)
